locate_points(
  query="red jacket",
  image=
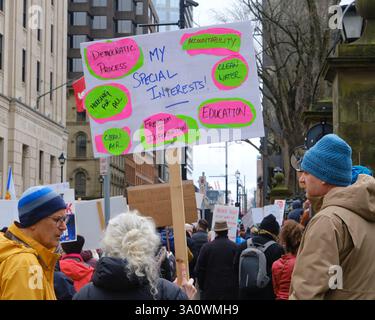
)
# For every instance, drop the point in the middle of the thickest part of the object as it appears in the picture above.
(75, 268)
(282, 270)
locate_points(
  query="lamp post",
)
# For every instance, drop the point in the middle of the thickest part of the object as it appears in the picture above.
(238, 175)
(352, 23)
(62, 160)
(101, 180)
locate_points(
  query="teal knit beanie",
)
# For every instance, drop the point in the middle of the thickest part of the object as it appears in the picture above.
(330, 160)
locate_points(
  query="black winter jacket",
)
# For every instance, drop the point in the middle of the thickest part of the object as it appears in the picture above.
(215, 270)
(111, 282)
(200, 238)
(273, 253)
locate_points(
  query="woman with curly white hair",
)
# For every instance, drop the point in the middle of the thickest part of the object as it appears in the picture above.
(128, 269)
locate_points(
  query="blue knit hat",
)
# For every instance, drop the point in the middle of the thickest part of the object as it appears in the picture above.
(330, 160)
(38, 203)
(357, 170)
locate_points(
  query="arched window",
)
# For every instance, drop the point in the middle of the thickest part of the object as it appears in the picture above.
(81, 145)
(80, 185)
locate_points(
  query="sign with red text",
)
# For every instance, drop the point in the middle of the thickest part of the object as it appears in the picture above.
(230, 215)
(192, 86)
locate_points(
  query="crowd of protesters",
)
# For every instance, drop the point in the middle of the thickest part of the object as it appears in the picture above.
(334, 228)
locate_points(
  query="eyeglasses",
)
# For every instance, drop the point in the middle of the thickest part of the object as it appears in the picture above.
(59, 221)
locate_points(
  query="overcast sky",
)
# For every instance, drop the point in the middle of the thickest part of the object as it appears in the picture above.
(210, 159)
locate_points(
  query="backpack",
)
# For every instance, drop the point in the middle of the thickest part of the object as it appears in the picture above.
(253, 266)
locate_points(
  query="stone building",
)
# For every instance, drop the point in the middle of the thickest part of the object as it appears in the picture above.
(94, 20)
(33, 48)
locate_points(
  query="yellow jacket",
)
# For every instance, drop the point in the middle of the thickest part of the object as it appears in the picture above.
(26, 268)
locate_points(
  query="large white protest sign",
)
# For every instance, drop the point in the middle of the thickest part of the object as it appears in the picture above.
(275, 210)
(8, 212)
(149, 91)
(257, 214)
(247, 220)
(88, 219)
(230, 215)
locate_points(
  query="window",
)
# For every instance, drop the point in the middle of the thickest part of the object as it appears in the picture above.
(1, 5)
(81, 116)
(139, 9)
(23, 65)
(75, 65)
(41, 166)
(52, 2)
(76, 40)
(99, 3)
(80, 184)
(1, 51)
(25, 166)
(124, 5)
(52, 37)
(51, 85)
(99, 22)
(52, 170)
(24, 13)
(124, 26)
(38, 76)
(78, 18)
(79, 1)
(81, 145)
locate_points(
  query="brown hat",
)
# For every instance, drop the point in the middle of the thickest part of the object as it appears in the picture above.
(220, 225)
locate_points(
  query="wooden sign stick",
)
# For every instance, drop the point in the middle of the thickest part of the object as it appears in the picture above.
(101, 215)
(178, 212)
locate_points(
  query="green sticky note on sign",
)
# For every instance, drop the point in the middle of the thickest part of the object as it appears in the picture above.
(108, 103)
(116, 141)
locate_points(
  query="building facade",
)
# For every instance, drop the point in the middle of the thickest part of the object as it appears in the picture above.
(169, 12)
(91, 20)
(33, 47)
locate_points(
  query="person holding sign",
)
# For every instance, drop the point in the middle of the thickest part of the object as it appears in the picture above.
(128, 270)
(27, 258)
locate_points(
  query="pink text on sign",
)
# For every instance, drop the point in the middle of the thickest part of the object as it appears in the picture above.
(113, 60)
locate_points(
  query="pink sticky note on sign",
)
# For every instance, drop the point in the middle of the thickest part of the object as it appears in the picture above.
(112, 60)
(163, 127)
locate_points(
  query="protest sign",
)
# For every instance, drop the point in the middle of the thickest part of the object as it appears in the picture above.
(8, 212)
(88, 220)
(275, 210)
(155, 201)
(149, 91)
(70, 234)
(230, 215)
(247, 220)
(257, 215)
(281, 204)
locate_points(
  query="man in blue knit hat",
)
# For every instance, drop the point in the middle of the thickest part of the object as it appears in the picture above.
(27, 249)
(335, 258)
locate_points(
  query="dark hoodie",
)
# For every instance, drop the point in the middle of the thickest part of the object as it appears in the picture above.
(111, 282)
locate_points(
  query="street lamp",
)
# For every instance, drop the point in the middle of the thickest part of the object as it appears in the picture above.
(352, 23)
(238, 175)
(62, 160)
(101, 180)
